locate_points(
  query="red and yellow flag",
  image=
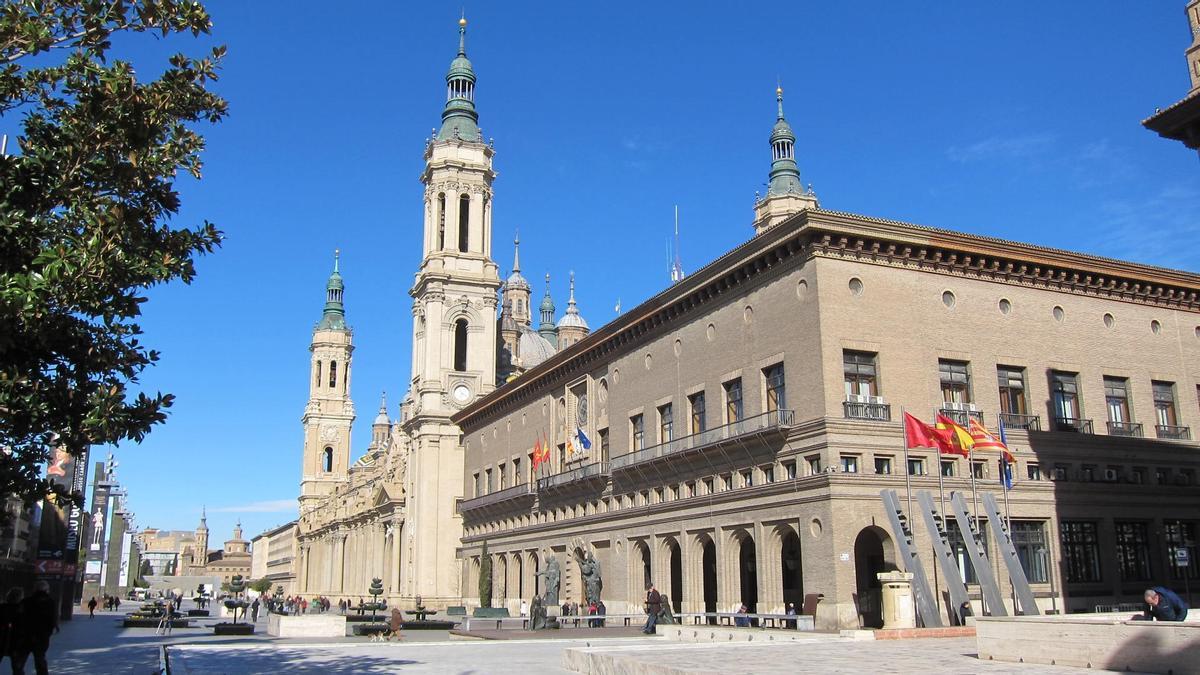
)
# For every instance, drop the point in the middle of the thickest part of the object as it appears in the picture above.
(960, 439)
(985, 440)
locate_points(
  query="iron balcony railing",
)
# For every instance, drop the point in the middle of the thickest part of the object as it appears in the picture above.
(1018, 421)
(1173, 432)
(860, 410)
(515, 492)
(1131, 429)
(961, 417)
(765, 422)
(1077, 425)
(576, 475)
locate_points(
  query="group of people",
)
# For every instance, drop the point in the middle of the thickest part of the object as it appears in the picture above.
(26, 624)
(111, 604)
(595, 608)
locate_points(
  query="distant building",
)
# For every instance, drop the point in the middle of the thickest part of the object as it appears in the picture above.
(232, 560)
(1181, 120)
(273, 557)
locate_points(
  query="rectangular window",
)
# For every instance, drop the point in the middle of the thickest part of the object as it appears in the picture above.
(488, 480)
(658, 495)
(1080, 551)
(1164, 404)
(666, 423)
(562, 456)
(1064, 390)
(790, 467)
(979, 470)
(733, 401)
(727, 482)
(958, 548)
(1181, 535)
(849, 463)
(861, 382)
(638, 429)
(948, 468)
(1116, 396)
(602, 438)
(478, 486)
(691, 489)
(956, 381)
(1133, 551)
(747, 478)
(768, 474)
(1033, 471)
(883, 465)
(696, 403)
(518, 478)
(916, 467)
(503, 476)
(776, 390)
(1138, 475)
(708, 486)
(1162, 476)
(814, 465)
(1029, 538)
(1087, 473)
(1012, 389)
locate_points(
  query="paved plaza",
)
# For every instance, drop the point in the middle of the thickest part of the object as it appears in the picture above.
(101, 645)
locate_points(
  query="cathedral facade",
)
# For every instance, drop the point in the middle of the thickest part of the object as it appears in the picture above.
(393, 513)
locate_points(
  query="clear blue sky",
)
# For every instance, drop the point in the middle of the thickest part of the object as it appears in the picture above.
(1018, 120)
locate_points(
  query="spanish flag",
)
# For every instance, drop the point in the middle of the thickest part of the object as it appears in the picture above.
(960, 438)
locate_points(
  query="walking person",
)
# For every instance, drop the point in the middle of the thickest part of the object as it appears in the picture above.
(254, 611)
(10, 612)
(92, 608)
(31, 635)
(653, 607)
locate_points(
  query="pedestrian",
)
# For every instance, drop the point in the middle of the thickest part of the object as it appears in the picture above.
(742, 621)
(566, 608)
(1163, 604)
(601, 610)
(92, 608)
(31, 634)
(254, 611)
(653, 607)
(303, 606)
(524, 608)
(790, 611)
(10, 612)
(591, 610)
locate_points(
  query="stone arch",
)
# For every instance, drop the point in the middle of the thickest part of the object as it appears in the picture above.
(744, 560)
(874, 552)
(640, 572)
(791, 567)
(536, 581)
(706, 568)
(671, 553)
(499, 580)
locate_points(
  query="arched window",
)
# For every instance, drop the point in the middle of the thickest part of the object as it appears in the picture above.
(441, 218)
(318, 373)
(333, 374)
(327, 460)
(460, 345)
(464, 221)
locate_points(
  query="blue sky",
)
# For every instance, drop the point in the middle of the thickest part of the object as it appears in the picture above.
(1018, 120)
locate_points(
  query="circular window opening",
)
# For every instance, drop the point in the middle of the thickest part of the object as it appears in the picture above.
(1059, 314)
(1155, 327)
(948, 299)
(1005, 306)
(856, 286)
(1109, 320)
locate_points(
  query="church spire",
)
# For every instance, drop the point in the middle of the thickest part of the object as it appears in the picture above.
(517, 252)
(785, 175)
(546, 329)
(459, 119)
(334, 317)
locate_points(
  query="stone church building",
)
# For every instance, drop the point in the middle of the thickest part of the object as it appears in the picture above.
(743, 421)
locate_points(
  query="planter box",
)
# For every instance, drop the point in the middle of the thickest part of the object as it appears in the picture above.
(153, 623)
(233, 629)
(197, 612)
(456, 610)
(490, 612)
(306, 625)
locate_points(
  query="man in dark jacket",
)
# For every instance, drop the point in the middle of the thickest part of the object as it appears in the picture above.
(1162, 604)
(39, 619)
(653, 607)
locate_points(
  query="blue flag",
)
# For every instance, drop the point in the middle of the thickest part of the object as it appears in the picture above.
(583, 439)
(1005, 467)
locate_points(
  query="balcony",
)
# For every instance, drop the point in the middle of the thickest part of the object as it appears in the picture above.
(1017, 421)
(1073, 424)
(500, 496)
(962, 414)
(774, 421)
(587, 472)
(1173, 433)
(1129, 429)
(873, 408)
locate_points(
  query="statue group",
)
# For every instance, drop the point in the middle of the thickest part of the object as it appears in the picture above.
(593, 584)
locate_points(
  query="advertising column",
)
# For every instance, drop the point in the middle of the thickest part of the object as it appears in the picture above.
(59, 530)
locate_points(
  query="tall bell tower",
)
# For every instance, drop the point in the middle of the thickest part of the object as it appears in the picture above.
(454, 333)
(329, 413)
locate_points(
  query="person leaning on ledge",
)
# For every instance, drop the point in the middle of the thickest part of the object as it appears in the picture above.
(1162, 604)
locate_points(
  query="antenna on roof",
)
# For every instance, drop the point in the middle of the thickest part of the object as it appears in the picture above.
(676, 262)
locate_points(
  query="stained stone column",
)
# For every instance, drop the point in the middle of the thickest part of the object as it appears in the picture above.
(394, 566)
(690, 560)
(336, 569)
(728, 590)
(768, 562)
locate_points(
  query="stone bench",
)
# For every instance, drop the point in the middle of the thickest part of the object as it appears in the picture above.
(1112, 642)
(306, 625)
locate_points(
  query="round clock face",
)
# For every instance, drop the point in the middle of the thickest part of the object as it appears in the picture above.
(461, 393)
(581, 410)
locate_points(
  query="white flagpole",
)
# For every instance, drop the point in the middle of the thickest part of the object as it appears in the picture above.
(907, 473)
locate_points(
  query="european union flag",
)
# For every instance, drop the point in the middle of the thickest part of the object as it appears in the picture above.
(583, 439)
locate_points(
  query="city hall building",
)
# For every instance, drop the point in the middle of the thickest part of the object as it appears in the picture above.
(741, 424)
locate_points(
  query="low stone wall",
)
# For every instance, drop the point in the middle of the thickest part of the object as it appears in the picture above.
(1092, 641)
(684, 633)
(306, 625)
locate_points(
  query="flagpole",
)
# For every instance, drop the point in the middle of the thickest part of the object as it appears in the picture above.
(907, 473)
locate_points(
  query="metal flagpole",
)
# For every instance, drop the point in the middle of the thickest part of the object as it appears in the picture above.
(1005, 485)
(907, 473)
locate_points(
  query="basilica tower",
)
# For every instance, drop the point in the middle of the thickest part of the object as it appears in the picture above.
(454, 334)
(329, 413)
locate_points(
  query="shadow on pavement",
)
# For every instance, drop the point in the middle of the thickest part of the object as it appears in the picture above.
(275, 658)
